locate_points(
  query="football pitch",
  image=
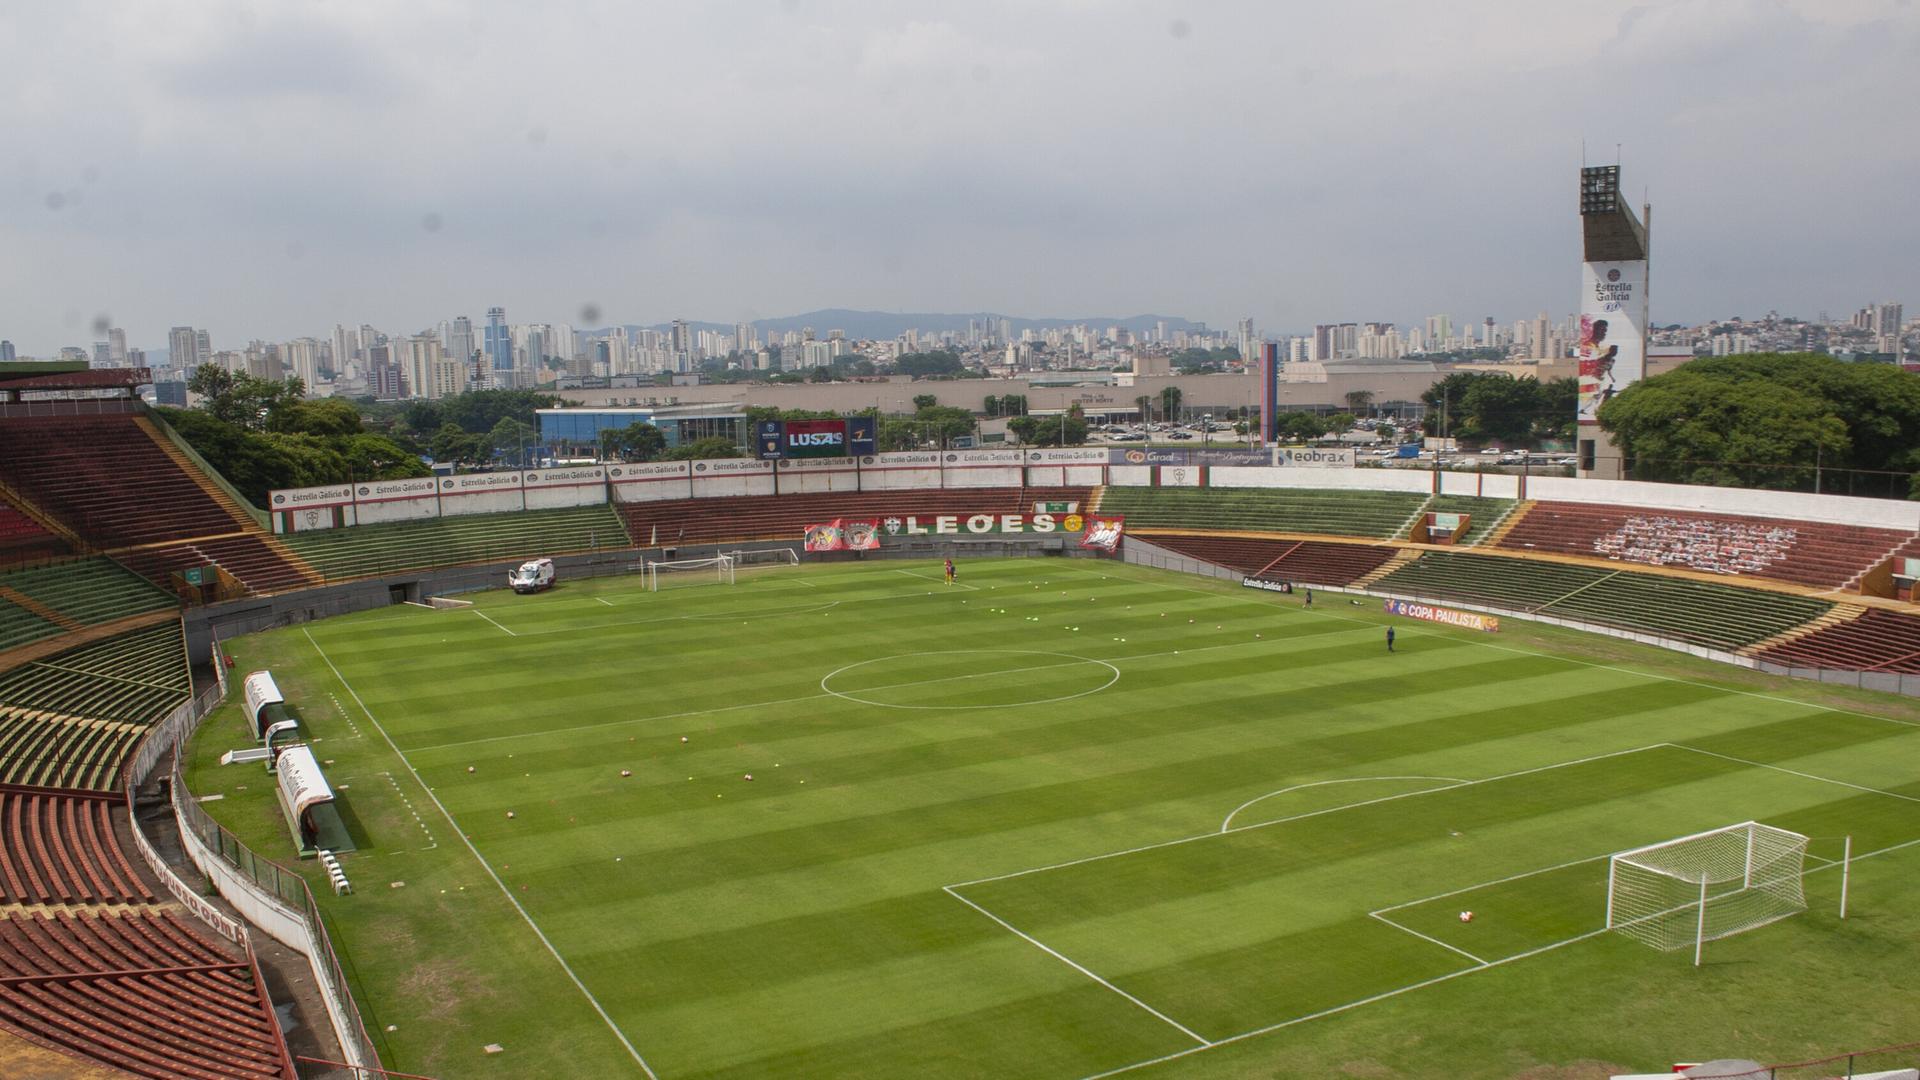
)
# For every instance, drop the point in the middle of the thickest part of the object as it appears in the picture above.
(1062, 819)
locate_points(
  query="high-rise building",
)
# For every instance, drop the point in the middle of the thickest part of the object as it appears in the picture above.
(6, 352)
(499, 346)
(1246, 338)
(448, 377)
(102, 355)
(383, 375)
(202, 348)
(181, 352)
(423, 352)
(342, 343)
(302, 356)
(117, 347)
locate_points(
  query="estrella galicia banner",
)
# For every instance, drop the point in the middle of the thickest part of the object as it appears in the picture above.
(770, 439)
(862, 435)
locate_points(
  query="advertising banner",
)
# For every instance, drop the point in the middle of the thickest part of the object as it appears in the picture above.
(1070, 455)
(983, 524)
(396, 500)
(306, 509)
(481, 493)
(1467, 620)
(815, 438)
(583, 485)
(1104, 534)
(769, 439)
(863, 434)
(1613, 319)
(1184, 456)
(1269, 586)
(1313, 457)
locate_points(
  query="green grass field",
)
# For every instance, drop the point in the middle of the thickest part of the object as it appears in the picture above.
(1064, 819)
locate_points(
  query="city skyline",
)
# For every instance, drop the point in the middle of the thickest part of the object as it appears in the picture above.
(267, 169)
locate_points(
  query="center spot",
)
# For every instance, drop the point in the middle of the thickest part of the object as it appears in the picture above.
(970, 679)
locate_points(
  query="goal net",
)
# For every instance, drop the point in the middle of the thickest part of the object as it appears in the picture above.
(747, 560)
(1686, 892)
(674, 573)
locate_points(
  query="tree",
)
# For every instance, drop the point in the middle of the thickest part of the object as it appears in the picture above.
(925, 364)
(990, 405)
(1145, 404)
(925, 401)
(639, 441)
(1360, 401)
(896, 435)
(1069, 430)
(1339, 422)
(328, 416)
(1771, 420)
(510, 439)
(700, 449)
(1386, 431)
(945, 423)
(451, 444)
(1170, 402)
(241, 399)
(1301, 426)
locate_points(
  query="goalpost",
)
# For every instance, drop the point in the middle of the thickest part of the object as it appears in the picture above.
(673, 573)
(1706, 886)
(767, 557)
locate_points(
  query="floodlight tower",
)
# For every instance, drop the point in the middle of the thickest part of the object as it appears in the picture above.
(1611, 346)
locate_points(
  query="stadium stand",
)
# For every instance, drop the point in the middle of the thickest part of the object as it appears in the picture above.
(83, 592)
(1313, 562)
(1703, 613)
(1376, 514)
(367, 550)
(23, 539)
(117, 480)
(777, 517)
(1803, 552)
(1879, 640)
(69, 721)
(1484, 514)
(139, 991)
(60, 848)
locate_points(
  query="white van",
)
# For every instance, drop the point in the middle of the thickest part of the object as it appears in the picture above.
(532, 576)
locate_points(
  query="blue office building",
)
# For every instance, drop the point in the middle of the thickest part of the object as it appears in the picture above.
(575, 433)
(498, 344)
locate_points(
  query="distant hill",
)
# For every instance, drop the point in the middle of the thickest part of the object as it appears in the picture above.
(883, 325)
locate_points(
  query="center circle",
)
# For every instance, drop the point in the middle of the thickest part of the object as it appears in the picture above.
(970, 679)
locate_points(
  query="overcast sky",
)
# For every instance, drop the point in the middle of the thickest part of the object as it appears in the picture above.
(269, 169)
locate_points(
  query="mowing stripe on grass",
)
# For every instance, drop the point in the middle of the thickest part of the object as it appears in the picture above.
(484, 865)
(1043, 947)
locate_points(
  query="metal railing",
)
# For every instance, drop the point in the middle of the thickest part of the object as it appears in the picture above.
(275, 884)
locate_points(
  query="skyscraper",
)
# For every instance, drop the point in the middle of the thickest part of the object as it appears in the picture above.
(302, 355)
(342, 348)
(499, 346)
(6, 352)
(202, 347)
(460, 339)
(182, 353)
(117, 347)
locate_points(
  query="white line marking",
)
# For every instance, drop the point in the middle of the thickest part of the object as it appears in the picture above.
(1452, 780)
(1424, 937)
(1489, 884)
(489, 618)
(942, 580)
(1794, 772)
(1471, 638)
(1304, 816)
(1349, 1005)
(481, 859)
(603, 601)
(1038, 944)
(815, 697)
(1075, 661)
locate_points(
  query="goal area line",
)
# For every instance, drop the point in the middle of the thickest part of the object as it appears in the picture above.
(1473, 962)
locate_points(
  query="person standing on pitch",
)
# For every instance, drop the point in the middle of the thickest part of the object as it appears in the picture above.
(1389, 639)
(949, 570)
(1309, 597)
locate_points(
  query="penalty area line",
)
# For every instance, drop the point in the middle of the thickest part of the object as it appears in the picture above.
(482, 860)
(487, 617)
(1426, 937)
(1082, 969)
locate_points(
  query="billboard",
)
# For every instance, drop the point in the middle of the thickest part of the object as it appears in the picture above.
(1469, 620)
(1183, 456)
(1308, 457)
(778, 439)
(769, 439)
(815, 438)
(863, 435)
(986, 524)
(1104, 534)
(1611, 349)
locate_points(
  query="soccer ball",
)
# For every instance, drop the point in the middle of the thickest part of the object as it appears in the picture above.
(683, 738)
(749, 776)
(509, 815)
(1466, 916)
(469, 768)
(626, 772)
